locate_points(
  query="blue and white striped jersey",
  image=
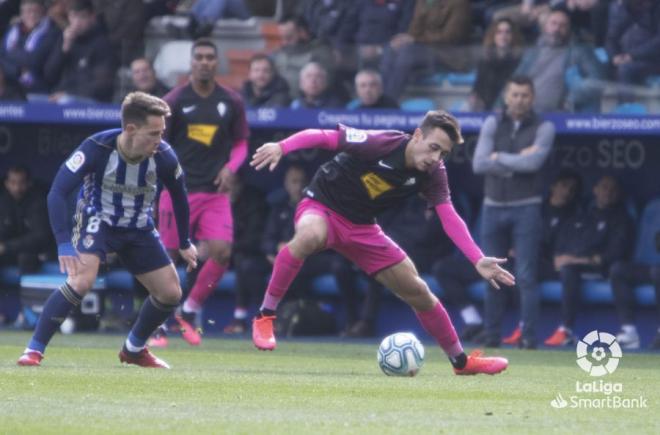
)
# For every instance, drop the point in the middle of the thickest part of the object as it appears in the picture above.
(119, 193)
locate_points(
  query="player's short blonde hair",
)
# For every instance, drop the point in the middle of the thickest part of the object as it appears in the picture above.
(444, 121)
(137, 106)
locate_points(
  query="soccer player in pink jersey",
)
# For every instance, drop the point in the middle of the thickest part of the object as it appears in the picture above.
(375, 170)
(208, 131)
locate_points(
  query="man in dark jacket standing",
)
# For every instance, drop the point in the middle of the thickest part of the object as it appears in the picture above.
(511, 152)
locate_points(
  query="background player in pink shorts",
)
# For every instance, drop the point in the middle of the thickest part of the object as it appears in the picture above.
(209, 133)
(375, 171)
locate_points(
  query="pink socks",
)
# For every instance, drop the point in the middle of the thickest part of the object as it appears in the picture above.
(206, 281)
(437, 323)
(284, 272)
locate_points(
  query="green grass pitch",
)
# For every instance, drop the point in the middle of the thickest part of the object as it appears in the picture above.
(226, 386)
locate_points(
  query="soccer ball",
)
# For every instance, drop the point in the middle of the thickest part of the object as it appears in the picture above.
(401, 354)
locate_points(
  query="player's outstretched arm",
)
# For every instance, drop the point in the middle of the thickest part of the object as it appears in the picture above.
(270, 154)
(490, 269)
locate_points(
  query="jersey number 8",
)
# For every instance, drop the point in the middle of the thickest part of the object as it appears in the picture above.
(93, 224)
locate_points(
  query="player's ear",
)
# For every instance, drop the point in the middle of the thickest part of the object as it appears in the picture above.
(130, 128)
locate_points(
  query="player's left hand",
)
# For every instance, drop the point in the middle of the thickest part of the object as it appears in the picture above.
(189, 255)
(224, 180)
(490, 269)
(269, 154)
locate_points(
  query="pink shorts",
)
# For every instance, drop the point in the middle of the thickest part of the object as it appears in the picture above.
(210, 218)
(365, 245)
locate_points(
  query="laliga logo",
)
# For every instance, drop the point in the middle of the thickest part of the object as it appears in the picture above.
(598, 353)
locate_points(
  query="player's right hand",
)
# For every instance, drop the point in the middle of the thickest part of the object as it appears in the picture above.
(269, 154)
(189, 255)
(70, 263)
(489, 268)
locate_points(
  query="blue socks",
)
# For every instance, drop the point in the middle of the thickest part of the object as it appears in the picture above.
(152, 315)
(56, 309)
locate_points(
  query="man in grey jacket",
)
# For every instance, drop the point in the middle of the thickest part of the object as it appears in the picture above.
(511, 151)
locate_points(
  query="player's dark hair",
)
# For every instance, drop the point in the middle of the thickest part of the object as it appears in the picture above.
(521, 80)
(444, 121)
(204, 42)
(137, 106)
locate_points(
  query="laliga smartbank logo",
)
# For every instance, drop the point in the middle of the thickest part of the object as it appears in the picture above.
(598, 354)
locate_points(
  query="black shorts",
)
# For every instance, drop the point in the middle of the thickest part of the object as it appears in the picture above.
(140, 250)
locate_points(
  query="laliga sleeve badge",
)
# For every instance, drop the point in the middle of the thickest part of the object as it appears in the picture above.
(76, 161)
(353, 135)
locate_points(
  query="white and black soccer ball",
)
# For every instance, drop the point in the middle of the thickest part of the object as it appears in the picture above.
(401, 354)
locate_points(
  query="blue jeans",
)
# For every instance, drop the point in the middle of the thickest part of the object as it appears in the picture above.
(517, 227)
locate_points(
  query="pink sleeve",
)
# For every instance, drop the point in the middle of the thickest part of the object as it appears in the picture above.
(237, 155)
(458, 232)
(311, 138)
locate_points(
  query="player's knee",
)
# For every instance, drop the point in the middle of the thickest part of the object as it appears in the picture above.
(81, 284)
(307, 241)
(171, 295)
(221, 254)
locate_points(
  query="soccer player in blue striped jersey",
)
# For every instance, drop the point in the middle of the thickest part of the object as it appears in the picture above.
(120, 171)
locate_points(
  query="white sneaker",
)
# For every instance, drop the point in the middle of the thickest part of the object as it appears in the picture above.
(628, 339)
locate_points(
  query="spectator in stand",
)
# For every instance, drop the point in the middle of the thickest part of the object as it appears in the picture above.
(527, 14)
(58, 12)
(250, 210)
(566, 75)
(588, 19)
(204, 14)
(143, 78)
(264, 86)
(124, 21)
(369, 91)
(562, 204)
(315, 92)
(81, 64)
(633, 40)
(298, 49)
(432, 42)
(501, 54)
(24, 229)
(371, 24)
(624, 276)
(326, 19)
(511, 152)
(8, 9)
(26, 46)
(590, 243)
(9, 90)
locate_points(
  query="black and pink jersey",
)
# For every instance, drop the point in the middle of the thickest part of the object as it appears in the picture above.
(202, 131)
(369, 176)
